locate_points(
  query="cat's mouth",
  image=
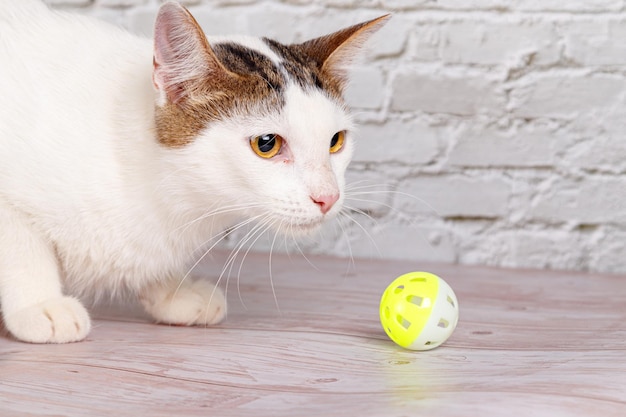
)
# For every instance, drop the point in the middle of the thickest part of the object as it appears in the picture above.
(305, 227)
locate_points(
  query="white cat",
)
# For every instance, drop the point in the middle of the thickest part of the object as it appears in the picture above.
(122, 159)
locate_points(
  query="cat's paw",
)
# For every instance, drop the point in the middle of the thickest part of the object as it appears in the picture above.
(58, 320)
(192, 303)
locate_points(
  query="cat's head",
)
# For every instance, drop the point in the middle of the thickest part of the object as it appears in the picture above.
(255, 126)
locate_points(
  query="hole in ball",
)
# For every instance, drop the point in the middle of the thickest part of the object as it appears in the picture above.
(450, 300)
(414, 299)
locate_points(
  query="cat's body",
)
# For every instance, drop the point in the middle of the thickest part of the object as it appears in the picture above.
(116, 172)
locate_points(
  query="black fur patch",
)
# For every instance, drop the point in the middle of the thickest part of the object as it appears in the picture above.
(248, 62)
(300, 67)
(296, 66)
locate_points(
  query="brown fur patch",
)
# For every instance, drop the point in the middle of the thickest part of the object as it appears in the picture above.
(255, 86)
(244, 81)
(236, 80)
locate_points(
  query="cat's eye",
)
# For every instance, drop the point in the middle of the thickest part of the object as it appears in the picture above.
(336, 143)
(267, 146)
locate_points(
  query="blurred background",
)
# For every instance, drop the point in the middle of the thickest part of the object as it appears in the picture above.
(491, 131)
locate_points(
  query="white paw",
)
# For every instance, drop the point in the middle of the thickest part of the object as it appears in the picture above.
(58, 320)
(193, 303)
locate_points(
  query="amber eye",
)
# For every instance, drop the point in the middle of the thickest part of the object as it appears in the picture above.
(336, 143)
(266, 146)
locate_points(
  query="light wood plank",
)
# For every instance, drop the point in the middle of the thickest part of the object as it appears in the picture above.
(534, 342)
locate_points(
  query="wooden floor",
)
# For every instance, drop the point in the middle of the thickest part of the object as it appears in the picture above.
(528, 343)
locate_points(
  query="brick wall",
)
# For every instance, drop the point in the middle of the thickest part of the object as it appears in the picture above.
(492, 131)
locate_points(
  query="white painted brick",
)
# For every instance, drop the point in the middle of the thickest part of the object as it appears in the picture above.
(420, 243)
(564, 95)
(604, 153)
(213, 22)
(521, 145)
(592, 200)
(352, 3)
(408, 142)
(499, 42)
(369, 191)
(366, 89)
(596, 42)
(120, 3)
(73, 3)
(141, 20)
(425, 41)
(610, 252)
(604, 147)
(404, 4)
(391, 39)
(276, 23)
(223, 21)
(538, 249)
(452, 92)
(571, 5)
(478, 4)
(456, 196)
(310, 25)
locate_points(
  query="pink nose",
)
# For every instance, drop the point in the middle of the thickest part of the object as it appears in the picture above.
(326, 202)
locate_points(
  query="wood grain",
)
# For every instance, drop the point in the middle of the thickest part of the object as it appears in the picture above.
(530, 342)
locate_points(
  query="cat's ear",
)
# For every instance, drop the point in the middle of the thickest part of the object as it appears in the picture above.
(335, 52)
(182, 54)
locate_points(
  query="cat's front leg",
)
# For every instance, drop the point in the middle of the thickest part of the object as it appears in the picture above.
(184, 303)
(33, 306)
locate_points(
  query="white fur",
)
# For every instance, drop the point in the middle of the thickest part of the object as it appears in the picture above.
(91, 204)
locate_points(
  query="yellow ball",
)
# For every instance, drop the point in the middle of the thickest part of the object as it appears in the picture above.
(419, 311)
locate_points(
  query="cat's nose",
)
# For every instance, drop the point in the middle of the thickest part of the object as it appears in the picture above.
(326, 202)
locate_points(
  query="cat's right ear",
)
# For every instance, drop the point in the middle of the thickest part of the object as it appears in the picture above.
(334, 53)
(183, 57)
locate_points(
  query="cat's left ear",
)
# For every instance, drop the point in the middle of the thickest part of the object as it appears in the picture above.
(183, 57)
(335, 52)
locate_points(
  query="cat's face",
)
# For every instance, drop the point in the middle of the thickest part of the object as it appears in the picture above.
(282, 165)
(258, 127)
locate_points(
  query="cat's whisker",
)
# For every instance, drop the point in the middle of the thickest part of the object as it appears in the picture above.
(261, 221)
(295, 241)
(229, 259)
(351, 218)
(366, 215)
(257, 231)
(361, 212)
(351, 262)
(268, 225)
(353, 185)
(222, 235)
(270, 269)
(351, 196)
(222, 210)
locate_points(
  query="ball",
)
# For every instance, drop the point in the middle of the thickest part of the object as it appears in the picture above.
(419, 311)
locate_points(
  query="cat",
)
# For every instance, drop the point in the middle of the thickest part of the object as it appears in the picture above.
(122, 158)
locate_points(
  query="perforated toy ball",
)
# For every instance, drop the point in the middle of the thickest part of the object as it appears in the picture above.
(419, 311)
